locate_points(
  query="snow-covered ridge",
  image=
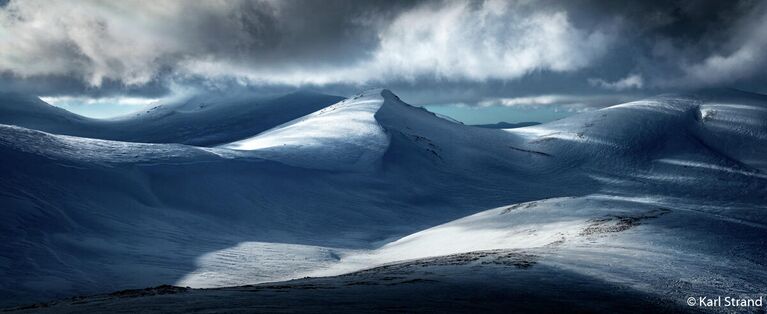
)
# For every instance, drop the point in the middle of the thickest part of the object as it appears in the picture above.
(371, 180)
(199, 120)
(81, 149)
(345, 135)
(354, 134)
(724, 134)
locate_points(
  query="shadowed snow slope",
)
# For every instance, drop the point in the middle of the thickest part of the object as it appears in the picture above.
(377, 129)
(344, 135)
(199, 120)
(31, 112)
(672, 187)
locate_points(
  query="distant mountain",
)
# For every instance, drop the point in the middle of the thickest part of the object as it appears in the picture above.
(33, 113)
(506, 125)
(637, 199)
(200, 120)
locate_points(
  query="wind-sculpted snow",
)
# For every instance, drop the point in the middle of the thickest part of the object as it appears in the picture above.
(735, 131)
(357, 134)
(650, 237)
(664, 197)
(342, 136)
(198, 120)
(260, 262)
(496, 281)
(96, 151)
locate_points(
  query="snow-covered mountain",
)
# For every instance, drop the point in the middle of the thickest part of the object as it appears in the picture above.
(198, 120)
(507, 125)
(664, 197)
(31, 112)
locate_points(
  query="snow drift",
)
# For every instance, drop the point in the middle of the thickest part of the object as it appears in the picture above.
(664, 186)
(197, 120)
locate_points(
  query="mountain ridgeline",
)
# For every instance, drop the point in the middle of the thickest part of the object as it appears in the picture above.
(638, 199)
(198, 120)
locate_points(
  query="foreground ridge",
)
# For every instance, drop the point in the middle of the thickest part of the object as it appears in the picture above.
(658, 186)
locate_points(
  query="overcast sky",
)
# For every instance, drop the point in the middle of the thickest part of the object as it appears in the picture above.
(468, 53)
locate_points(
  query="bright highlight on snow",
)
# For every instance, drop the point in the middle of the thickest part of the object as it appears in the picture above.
(426, 156)
(371, 181)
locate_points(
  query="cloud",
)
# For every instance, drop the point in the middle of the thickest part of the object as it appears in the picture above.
(140, 48)
(708, 44)
(631, 81)
(492, 40)
(127, 41)
(273, 42)
(446, 41)
(528, 101)
(580, 101)
(743, 56)
(88, 101)
(105, 107)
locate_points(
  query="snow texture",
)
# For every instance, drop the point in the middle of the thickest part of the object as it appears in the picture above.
(663, 198)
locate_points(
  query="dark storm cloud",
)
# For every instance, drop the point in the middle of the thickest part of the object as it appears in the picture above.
(689, 44)
(57, 85)
(472, 51)
(136, 43)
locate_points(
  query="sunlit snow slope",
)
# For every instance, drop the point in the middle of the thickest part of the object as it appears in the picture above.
(344, 135)
(664, 196)
(197, 120)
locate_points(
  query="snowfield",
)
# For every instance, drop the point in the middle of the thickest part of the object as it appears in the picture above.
(344, 135)
(202, 120)
(635, 206)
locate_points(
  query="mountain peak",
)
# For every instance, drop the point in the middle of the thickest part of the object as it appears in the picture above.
(388, 94)
(383, 92)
